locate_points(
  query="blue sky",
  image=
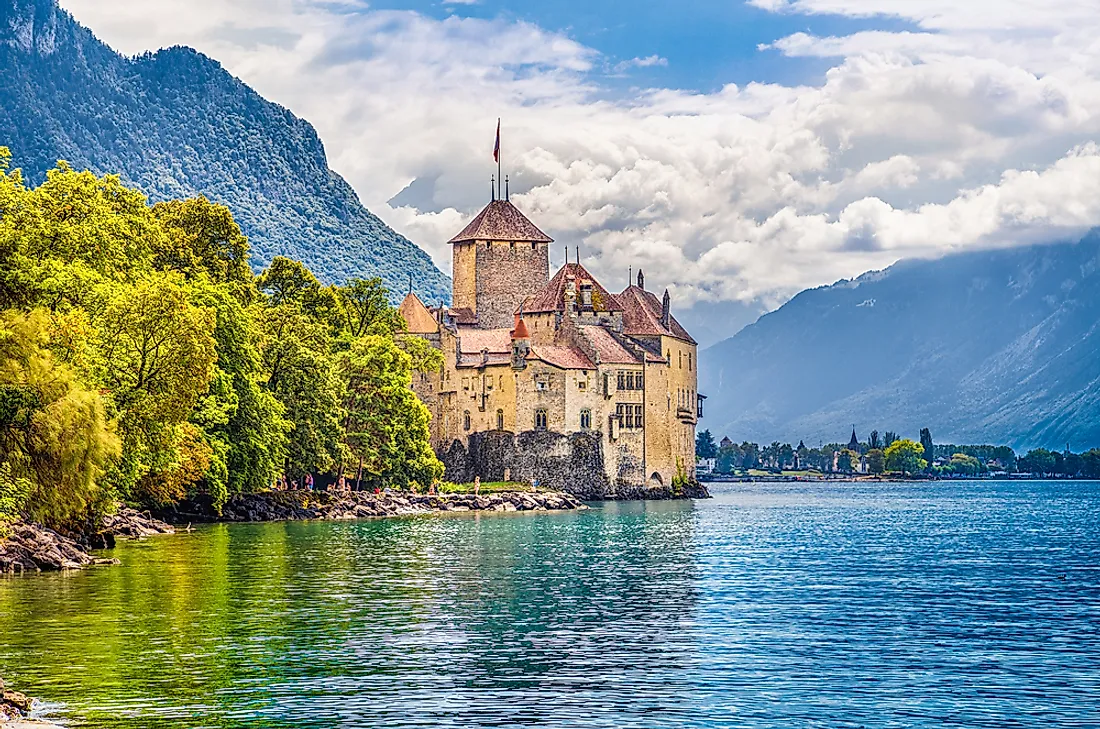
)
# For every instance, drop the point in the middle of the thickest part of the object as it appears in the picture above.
(706, 44)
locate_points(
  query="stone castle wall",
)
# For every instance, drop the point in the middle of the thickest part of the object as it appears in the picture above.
(507, 273)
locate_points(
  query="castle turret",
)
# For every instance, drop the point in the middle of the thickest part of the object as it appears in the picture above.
(499, 260)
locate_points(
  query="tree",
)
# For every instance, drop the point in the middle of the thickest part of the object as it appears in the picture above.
(873, 442)
(926, 443)
(905, 456)
(155, 356)
(889, 438)
(386, 424)
(964, 465)
(876, 460)
(846, 460)
(55, 439)
(61, 240)
(705, 447)
(367, 309)
(201, 237)
(1038, 462)
(303, 375)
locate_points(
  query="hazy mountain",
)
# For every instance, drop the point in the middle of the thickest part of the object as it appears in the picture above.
(175, 124)
(1000, 346)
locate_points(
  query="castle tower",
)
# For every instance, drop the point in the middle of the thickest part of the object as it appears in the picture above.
(498, 260)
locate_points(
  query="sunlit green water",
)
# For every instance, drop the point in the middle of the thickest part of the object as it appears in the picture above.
(769, 606)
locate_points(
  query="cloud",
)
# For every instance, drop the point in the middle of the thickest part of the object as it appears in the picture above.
(976, 127)
(647, 62)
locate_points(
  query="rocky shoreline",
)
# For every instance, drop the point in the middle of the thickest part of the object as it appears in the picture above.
(301, 505)
(14, 709)
(34, 548)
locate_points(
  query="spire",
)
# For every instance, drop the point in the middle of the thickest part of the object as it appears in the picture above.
(641, 279)
(666, 309)
(506, 194)
(492, 188)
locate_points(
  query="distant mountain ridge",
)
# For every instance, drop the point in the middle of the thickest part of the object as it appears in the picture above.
(176, 124)
(989, 347)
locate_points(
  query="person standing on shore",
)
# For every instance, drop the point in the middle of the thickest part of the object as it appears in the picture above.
(477, 485)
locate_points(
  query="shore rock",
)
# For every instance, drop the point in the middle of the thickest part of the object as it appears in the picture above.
(14, 708)
(298, 505)
(34, 548)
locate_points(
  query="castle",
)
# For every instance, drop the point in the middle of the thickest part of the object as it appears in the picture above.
(554, 379)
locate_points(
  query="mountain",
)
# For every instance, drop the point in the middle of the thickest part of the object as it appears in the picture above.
(176, 124)
(991, 347)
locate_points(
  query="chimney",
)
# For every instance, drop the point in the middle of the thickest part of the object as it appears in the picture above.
(666, 305)
(641, 279)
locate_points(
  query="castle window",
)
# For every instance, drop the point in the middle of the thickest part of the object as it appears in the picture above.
(681, 359)
(540, 419)
(586, 419)
(534, 246)
(639, 419)
(466, 420)
(689, 361)
(582, 384)
(500, 420)
(607, 384)
(621, 381)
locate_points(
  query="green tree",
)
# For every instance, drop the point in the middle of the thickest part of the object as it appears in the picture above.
(55, 438)
(367, 310)
(304, 376)
(202, 237)
(846, 460)
(244, 421)
(964, 465)
(156, 357)
(929, 448)
(705, 447)
(905, 456)
(876, 461)
(386, 424)
(61, 240)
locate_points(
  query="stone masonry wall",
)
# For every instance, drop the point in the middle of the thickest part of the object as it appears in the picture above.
(507, 273)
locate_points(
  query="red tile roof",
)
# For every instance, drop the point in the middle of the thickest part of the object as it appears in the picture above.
(463, 315)
(418, 320)
(642, 315)
(501, 220)
(552, 296)
(520, 332)
(565, 357)
(607, 348)
(497, 341)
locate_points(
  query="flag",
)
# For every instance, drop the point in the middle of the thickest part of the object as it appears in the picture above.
(496, 147)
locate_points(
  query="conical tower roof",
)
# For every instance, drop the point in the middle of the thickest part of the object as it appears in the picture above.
(501, 220)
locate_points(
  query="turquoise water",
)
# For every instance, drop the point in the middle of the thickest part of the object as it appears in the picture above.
(772, 605)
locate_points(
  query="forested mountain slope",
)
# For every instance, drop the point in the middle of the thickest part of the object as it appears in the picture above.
(176, 124)
(990, 347)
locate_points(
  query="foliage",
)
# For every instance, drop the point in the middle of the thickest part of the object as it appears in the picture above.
(846, 460)
(386, 424)
(926, 443)
(904, 456)
(140, 359)
(55, 437)
(876, 459)
(705, 447)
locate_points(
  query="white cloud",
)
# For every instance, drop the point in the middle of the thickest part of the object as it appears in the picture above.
(973, 129)
(646, 62)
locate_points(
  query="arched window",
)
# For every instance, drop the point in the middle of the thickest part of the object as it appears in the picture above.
(500, 420)
(586, 419)
(540, 419)
(466, 420)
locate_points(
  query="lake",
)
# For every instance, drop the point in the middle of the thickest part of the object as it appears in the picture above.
(971, 604)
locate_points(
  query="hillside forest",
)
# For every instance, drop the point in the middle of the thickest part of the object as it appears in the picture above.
(142, 361)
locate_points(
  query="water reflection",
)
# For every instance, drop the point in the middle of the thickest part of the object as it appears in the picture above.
(770, 606)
